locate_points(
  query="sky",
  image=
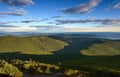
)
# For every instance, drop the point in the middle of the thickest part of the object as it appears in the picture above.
(59, 16)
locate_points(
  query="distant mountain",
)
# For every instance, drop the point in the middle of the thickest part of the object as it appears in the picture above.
(26, 34)
(108, 48)
(30, 44)
(104, 35)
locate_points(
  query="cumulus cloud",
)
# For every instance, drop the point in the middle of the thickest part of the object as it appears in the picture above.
(14, 12)
(82, 8)
(17, 2)
(101, 21)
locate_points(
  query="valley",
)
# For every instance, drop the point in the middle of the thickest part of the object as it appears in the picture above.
(73, 57)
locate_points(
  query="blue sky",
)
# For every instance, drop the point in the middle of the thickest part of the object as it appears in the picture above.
(59, 15)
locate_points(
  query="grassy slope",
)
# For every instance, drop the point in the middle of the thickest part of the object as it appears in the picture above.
(106, 48)
(31, 44)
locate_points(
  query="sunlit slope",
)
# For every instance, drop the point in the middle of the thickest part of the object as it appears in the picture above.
(30, 44)
(106, 48)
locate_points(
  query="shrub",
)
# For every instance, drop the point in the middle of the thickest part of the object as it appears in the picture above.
(9, 69)
(71, 72)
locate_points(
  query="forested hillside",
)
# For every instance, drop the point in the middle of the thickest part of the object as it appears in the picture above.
(30, 44)
(102, 49)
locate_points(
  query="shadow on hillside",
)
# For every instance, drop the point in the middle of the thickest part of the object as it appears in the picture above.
(55, 58)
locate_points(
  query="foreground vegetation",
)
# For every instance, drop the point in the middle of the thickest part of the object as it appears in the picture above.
(7, 69)
(14, 68)
(19, 68)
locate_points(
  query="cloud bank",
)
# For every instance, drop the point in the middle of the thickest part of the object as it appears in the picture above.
(18, 29)
(38, 28)
(101, 21)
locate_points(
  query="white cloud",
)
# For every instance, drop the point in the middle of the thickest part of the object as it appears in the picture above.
(82, 8)
(17, 2)
(14, 12)
(111, 21)
(94, 29)
(18, 29)
(116, 5)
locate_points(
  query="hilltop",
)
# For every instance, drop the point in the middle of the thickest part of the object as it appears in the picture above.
(108, 48)
(30, 44)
